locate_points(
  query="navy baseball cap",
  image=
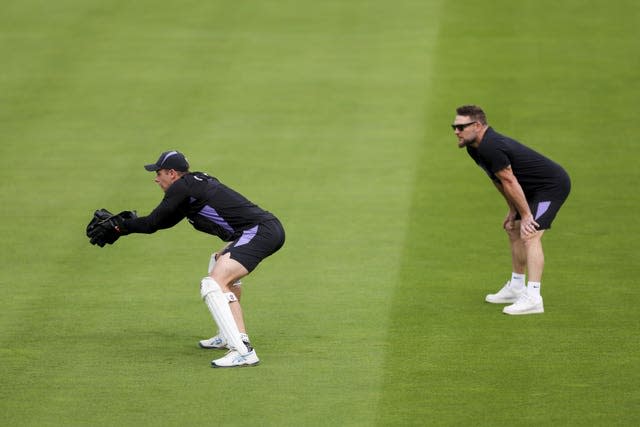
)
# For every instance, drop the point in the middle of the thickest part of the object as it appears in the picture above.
(170, 160)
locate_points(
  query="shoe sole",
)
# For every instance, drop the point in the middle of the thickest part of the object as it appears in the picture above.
(540, 311)
(246, 365)
(213, 348)
(501, 301)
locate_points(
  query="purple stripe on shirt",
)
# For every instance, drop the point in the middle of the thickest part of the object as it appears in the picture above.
(246, 237)
(211, 214)
(542, 208)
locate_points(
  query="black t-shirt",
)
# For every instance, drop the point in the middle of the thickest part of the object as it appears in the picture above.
(538, 176)
(209, 205)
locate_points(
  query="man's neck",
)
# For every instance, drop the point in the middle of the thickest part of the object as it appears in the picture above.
(480, 136)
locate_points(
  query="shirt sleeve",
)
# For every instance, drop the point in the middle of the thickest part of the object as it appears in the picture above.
(494, 157)
(481, 162)
(167, 214)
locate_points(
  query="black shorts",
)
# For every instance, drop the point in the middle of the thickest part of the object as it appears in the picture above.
(545, 205)
(256, 243)
(544, 211)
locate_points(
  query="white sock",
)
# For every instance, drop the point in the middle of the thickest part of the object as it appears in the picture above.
(533, 289)
(517, 280)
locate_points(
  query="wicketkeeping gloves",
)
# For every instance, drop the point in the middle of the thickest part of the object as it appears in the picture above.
(105, 228)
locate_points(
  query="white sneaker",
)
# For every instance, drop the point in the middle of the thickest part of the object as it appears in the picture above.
(233, 359)
(526, 304)
(216, 342)
(507, 295)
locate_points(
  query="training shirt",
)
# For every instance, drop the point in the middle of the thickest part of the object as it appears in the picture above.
(538, 176)
(209, 205)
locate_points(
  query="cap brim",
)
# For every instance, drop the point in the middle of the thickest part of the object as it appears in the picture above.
(152, 167)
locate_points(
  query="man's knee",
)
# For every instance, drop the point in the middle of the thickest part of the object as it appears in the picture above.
(534, 239)
(513, 232)
(227, 271)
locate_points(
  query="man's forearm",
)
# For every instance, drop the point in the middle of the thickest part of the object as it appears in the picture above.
(512, 192)
(499, 187)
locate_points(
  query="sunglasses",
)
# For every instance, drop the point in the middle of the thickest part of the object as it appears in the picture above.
(461, 127)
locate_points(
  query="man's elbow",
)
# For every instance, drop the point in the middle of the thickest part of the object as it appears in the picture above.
(508, 180)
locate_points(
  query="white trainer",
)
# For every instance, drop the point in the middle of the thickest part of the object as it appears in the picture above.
(526, 304)
(233, 359)
(216, 342)
(507, 295)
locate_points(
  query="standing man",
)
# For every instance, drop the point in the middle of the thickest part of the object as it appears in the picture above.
(211, 207)
(534, 188)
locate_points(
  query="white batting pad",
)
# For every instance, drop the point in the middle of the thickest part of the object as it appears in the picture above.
(218, 304)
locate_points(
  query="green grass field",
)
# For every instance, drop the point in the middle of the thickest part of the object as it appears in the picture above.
(335, 116)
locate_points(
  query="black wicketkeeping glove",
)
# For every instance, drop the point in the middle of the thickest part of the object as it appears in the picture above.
(105, 228)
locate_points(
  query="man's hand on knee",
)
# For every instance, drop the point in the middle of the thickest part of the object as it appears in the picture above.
(528, 227)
